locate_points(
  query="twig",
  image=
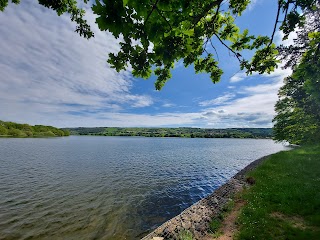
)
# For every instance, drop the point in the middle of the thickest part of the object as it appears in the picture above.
(286, 13)
(235, 53)
(205, 45)
(209, 38)
(164, 18)
(275, 25)
(217, 12)
(206, 10)
(214, 49)
(153, 7)
(236, 73)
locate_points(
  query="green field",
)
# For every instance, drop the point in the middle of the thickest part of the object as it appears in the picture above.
(284, 203)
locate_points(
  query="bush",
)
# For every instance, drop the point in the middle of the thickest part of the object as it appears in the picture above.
(44, 134)
(16, 133)
(3, 130)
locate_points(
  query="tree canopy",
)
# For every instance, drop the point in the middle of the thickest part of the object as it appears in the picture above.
(155, 34)
(298, 107)
(12, 129)
(184, 132)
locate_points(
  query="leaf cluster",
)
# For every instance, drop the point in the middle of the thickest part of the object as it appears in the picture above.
(155, 34)
(302, 43)
(293, 17)
(298, 115)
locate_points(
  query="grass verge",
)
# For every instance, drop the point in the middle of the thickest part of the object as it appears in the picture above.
(284, 203)
(185, 235)
(216, 222)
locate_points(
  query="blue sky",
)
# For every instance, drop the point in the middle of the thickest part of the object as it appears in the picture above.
(50, 75)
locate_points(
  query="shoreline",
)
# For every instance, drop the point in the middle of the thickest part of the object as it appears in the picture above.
(96, 135)
(197, 217)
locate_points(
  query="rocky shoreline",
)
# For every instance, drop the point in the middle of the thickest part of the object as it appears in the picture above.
(197, 217)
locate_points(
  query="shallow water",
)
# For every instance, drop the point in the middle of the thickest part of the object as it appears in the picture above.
(111, 187)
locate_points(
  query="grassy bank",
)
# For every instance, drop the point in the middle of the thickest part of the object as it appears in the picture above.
(284, 202)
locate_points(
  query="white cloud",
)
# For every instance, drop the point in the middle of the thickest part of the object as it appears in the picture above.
(217, 101)
(279, 36)
(178, 64)
(252, 4)
(238, 77)
(278, 73)
(45, 65)
(50, 75)
(115, 119)
(168, 105)
(255, 109)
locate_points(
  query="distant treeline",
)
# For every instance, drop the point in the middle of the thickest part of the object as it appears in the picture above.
(11, 129)
(175, 132)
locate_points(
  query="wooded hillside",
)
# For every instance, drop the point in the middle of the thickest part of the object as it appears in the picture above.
(175, 132)
(12, 129)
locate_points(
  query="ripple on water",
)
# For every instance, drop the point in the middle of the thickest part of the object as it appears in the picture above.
(108, 187)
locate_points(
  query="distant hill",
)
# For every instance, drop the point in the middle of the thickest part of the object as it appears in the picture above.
(175, 132)
(12, 129)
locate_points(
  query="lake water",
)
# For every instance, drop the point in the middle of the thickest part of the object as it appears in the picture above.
(111, 187)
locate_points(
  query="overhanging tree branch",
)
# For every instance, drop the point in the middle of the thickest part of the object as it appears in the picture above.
(159, 12)
(154, 6)
(206, 10)
(214, 49)
(275, 24)
(238, 55)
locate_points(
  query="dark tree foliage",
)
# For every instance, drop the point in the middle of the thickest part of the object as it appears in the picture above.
(155, 34)
(298, 108)
(293, 53)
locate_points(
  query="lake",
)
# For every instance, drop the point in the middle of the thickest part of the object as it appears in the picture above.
(88, 187)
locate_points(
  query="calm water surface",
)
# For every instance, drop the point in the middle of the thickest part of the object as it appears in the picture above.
(111, 187)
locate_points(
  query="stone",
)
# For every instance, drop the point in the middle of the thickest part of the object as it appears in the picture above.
(196, 217)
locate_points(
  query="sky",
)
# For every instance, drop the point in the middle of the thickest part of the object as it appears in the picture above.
(50, 75)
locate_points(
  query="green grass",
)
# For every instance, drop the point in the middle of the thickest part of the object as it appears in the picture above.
(185, 235)
(284, 203)
(216, 222)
